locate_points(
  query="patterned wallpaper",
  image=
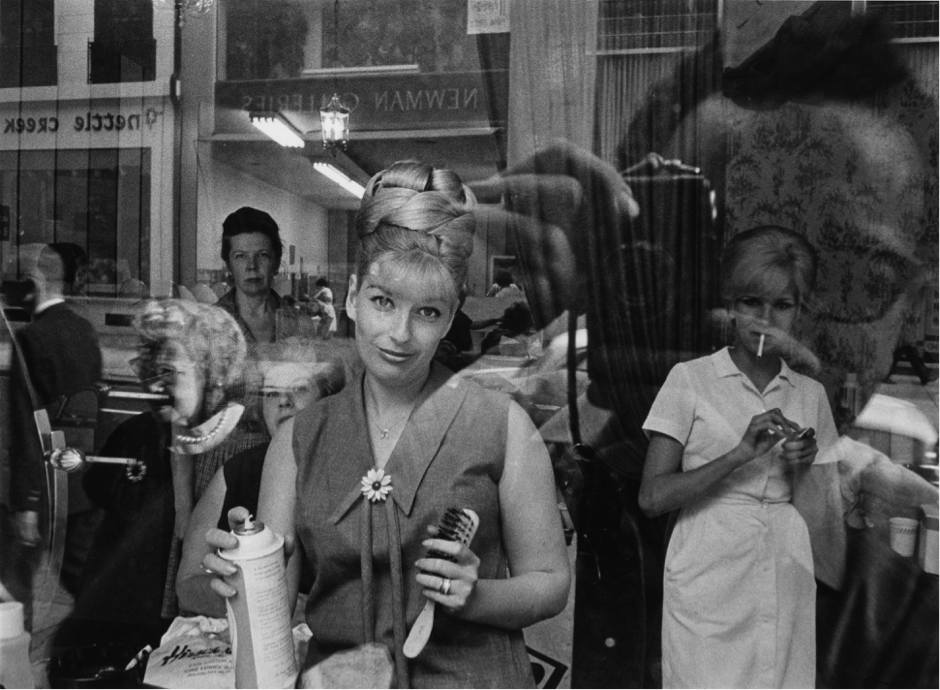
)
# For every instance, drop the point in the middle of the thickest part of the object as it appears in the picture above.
(860, 181)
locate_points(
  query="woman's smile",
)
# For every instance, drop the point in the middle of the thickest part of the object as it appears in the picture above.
(400, 319)
(394, 355)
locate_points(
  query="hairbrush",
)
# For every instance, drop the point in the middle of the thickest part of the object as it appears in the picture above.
(457, 525)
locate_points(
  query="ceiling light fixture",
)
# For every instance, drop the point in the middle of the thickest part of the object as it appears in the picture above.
(278, 128)
(334, 125)
(344, 181)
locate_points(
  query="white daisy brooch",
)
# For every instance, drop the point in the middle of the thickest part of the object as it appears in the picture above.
(376, 485)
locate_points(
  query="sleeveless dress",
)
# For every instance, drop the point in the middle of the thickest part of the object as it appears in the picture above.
(739, 594)
(450, 453)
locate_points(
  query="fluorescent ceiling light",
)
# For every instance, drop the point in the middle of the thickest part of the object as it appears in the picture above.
(351, 186)
(279, 129)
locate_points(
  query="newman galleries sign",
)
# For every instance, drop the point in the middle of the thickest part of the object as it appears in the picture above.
(415, 101)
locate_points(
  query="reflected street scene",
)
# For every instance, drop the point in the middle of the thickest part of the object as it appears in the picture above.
(469, 343)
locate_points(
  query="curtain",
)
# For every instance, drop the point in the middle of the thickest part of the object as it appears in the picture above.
(652, 279)
(551, 74)
(623, 83)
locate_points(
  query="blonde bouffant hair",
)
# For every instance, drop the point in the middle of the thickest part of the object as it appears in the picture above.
(415, 217)
(759, 258)
(208, 335)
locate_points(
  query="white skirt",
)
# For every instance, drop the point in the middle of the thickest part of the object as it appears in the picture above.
(739, 600)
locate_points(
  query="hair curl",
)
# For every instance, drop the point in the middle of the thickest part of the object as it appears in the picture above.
(208, 335)
(755, 257)
(419, 216)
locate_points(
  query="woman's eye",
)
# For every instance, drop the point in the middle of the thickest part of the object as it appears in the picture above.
(382, 302)
(783, 306)
(749, 301)
(429, 312)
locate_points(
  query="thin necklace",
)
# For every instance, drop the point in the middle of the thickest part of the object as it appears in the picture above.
(386, 432)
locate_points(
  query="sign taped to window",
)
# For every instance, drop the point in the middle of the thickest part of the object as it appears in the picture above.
(487, 16)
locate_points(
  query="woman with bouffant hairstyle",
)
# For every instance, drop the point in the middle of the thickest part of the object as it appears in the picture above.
(207, 337)
(190, 356)
(376, 466)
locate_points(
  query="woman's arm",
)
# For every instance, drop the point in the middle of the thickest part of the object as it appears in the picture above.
(664, 487)
(192, 581)
(532, 538)
(276, 501)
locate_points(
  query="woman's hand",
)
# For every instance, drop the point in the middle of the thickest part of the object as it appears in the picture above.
(214, 564)
(800, 450)
(436, 573)
(218, 540)
(764, 432)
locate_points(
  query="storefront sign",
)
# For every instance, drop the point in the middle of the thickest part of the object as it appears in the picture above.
(24, 124)
(421, 101)
(95, 122)
(20, 125)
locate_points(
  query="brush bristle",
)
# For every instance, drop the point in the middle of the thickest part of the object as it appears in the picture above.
(455, 525)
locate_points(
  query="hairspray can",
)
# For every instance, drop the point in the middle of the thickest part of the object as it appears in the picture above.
(259, 614)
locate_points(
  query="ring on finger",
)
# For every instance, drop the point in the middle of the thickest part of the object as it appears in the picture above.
(445, 586)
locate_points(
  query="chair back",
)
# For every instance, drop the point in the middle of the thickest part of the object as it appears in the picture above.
(73, 421)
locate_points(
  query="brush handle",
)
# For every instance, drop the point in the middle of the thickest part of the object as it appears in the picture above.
(420, 631)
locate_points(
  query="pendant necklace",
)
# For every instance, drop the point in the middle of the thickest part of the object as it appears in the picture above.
(384, 432)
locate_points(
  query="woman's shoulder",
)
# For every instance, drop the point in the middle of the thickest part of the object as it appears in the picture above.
(473, 392)
(805, 383)
(313, 419)
(706, 366)
(319, 411)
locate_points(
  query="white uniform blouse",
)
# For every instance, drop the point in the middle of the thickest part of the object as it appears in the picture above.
(739, 593)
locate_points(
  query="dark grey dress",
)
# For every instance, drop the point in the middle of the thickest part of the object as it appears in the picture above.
(451, 453)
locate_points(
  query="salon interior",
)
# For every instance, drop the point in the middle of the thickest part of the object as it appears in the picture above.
(613, 149)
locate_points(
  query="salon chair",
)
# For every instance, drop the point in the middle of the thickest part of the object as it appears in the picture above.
(72, 421)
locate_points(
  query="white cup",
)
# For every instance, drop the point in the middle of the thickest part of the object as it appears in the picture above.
(903, 535)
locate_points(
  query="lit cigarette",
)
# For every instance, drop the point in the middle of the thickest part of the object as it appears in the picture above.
(760, 347)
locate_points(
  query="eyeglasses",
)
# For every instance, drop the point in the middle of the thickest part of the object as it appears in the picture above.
(150, 371)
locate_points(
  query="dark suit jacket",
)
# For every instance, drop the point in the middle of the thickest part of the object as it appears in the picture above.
(61, 353)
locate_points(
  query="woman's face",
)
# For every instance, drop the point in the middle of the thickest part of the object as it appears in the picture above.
(179, 378)
(288, 388)
(252, 263)
(400, 319)
(770, 312)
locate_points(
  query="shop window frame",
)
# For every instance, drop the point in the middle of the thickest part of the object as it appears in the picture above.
(653, 25)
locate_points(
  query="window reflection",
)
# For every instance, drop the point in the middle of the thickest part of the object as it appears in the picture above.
(125, 131)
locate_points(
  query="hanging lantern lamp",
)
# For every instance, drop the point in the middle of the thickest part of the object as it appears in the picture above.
(334, 125)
